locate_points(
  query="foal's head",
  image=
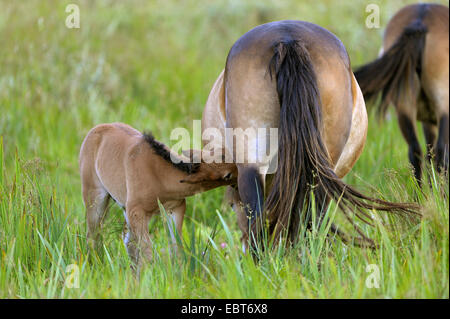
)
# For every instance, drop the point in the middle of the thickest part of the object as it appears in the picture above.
(213, 172)
(207, 169)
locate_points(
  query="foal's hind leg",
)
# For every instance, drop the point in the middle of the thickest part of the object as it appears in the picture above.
(96, 202)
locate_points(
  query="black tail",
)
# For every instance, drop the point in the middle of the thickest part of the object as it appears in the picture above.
(395, 69)
(303, 163)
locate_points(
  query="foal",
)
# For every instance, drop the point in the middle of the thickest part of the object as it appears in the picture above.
(117, 161)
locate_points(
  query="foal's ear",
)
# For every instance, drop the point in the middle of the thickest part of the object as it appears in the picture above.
(195, 156)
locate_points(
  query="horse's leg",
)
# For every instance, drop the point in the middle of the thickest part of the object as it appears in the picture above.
(409, 131)
(252, 107)
(232, 197)
(130, 242)
(437, 94)
(442, 146)
(430, 132)
(177, 217)
(95, 196)
(250, 187)
(139, 243)
(96, 201)
(407, 108)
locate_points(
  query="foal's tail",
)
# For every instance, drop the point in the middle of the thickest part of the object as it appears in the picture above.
(303, 163)
(395, 69)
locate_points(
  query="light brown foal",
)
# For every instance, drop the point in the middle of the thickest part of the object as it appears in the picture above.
(117, 161)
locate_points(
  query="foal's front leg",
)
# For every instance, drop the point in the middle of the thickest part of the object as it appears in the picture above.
(233, 199)
(138, 239)
(177, 218)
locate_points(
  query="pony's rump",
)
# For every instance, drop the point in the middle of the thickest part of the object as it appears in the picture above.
(303, 163)
(396, 68)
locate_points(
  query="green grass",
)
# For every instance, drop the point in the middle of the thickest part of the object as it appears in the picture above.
(151, 64)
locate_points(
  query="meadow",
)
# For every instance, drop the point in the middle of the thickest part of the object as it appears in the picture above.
(151, 64)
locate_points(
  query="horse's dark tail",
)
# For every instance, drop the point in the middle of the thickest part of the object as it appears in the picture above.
(395, 69)
(303, 163)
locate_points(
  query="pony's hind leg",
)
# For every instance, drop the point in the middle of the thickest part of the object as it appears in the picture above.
(442, 146)
(250, 186)
(408, 128)
(440, 107)
(96, 202)
(442, 156)
(430, 132)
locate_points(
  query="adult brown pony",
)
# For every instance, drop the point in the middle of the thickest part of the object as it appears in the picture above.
(412, 73)
(294, 76)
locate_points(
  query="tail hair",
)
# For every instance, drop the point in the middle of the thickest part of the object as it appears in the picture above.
(395, 69)
(303, 161)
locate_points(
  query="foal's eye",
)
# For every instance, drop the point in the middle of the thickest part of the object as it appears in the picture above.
(227, 177)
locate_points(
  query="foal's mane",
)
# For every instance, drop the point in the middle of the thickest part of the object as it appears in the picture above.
(161, 150)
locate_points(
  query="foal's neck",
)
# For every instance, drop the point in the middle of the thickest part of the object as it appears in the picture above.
(192, 189)
(180, 189)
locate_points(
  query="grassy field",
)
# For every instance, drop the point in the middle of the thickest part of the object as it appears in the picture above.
(151, 64)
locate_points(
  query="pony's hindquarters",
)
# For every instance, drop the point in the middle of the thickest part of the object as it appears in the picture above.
(358, 133)
(271, 81)
(252, 109)
(435, 80)
(413, 74)
(305, 164)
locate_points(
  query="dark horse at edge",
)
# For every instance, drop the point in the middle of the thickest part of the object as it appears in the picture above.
(412, 73)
